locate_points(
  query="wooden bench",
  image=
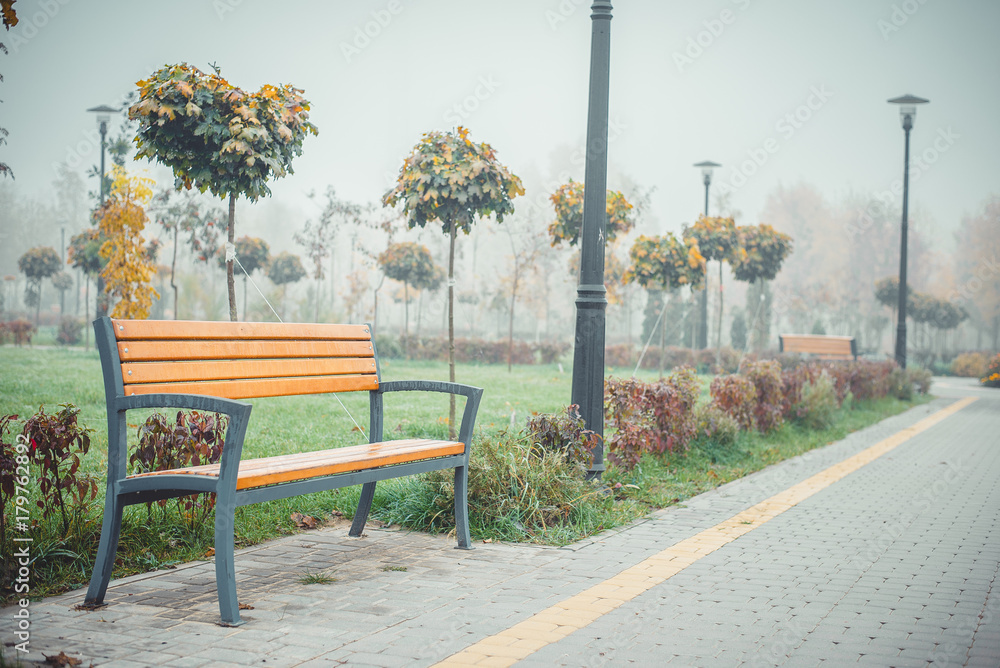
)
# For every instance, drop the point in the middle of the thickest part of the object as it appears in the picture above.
(823, 347)
(208, 366)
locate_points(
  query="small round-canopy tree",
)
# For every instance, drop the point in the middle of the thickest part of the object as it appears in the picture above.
(285, 268)
(217, 137)
(85, 254)
(38, 264)
(62, 282)
(761, 251)
(450, 179)
(759, 256)
(568, 203)
(252, 253)
(718, 240)
(411, 264)
(665, 263)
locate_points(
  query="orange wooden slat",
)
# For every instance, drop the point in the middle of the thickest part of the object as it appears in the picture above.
(825, 346)
(156, 351)
(128, 330)
(268, 387)
(300, 466)
(172, 372)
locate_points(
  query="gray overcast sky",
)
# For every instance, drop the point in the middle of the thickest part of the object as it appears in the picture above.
(518, 71)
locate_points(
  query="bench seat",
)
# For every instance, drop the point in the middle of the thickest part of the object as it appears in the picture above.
(303, 465)
(821, 346)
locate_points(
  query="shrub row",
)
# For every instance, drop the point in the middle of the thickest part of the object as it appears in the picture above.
(478, 351)
(673, 357)
(17, 331)
(664, 416)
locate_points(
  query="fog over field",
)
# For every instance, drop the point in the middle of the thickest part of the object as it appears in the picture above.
(790, 98)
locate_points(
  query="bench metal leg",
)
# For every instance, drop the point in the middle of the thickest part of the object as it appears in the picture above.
(225, 569)
(462, 507)
(364, 507)
(106, 551)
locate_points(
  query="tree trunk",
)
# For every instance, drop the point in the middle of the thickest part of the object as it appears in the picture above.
(451, 327)
(173, 269)
(230, 280)
(702, 341)
(244, 296)
(420, 311)
(86, 311)
(510, 329)
(319, 289)
(375, 313)
(406, 309)
(718, 329)
(406, 319)
(38, 302)
(663, 332)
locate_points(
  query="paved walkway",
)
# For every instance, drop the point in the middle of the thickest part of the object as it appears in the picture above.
(882, 550)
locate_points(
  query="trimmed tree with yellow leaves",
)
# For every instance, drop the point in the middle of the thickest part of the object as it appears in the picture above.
(217, 137)
(665, 263)
(451, 180)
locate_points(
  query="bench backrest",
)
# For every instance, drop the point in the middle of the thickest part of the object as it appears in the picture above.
(825, 347)
(240, 360)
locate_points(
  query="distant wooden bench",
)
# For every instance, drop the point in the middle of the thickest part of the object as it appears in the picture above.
(207, 366)
(823, 347)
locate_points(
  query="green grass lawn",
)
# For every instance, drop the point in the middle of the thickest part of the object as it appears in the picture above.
(153, 538)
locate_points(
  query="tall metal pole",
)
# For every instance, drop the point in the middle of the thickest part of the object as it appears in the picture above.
(907, 110)
(901, 322)
(591, 301)
(708, 182)
(703, 306)
(102, 304)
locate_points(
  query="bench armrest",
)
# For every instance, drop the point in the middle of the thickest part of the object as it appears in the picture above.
(237, 411)
(472, 394)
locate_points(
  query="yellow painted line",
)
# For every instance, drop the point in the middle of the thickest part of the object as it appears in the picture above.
(555, 623)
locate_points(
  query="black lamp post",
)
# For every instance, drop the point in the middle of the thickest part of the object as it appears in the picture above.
(103, 118)
(591, 301)
(706, 171)
(907, 112)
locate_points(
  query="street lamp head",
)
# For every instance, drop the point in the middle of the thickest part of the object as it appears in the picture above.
(103, 114)
(907, 108)
(706, 169)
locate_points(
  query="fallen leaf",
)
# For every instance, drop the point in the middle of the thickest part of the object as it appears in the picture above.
(210, 552)
(246, 606)
(487, 540)
(61, 659)
(304, 521)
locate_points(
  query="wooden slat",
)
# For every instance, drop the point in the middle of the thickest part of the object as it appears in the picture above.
(272, 470)
(172, 372)
(831, 347)
(155, 351)
(129, 330)
(252, 389)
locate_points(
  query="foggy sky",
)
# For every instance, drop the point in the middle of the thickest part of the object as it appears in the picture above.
(800, 86)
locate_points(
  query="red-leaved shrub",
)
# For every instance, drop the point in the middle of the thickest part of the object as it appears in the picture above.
(768, 408)
(736, 396)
